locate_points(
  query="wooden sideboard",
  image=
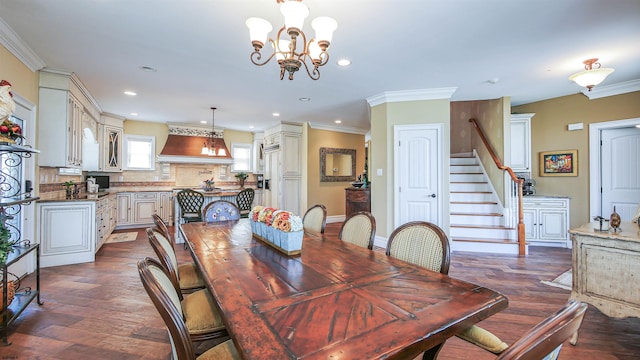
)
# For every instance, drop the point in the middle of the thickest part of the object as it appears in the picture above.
(357, 199)
(606, 265)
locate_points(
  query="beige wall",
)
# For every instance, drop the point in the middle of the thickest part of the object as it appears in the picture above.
(494, 118)
(549, 132)
(330, 194)
(383, 118)
(23, 80)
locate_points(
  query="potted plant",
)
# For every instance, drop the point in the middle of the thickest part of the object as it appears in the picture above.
(68, 190)
(242, 176)
(6, 244)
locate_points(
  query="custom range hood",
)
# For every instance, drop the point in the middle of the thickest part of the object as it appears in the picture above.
(184, 146)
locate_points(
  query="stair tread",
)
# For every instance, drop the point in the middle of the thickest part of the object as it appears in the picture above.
(476, 214)
(495, 227)
(501, 241)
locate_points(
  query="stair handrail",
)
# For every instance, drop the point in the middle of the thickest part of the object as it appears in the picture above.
(514, 178)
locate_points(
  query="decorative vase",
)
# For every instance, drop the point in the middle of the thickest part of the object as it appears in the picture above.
(241, 183)
(614, 220)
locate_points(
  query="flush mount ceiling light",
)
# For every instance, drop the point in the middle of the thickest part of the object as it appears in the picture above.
(591, 77)
(294, 51)
(209, 147)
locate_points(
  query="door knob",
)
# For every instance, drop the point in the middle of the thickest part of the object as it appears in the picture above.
(432, 195)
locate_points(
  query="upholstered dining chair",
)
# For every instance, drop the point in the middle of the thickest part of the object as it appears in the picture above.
(190, 203)
(544, 341)
(425, 244)
(158, 286)
(185, 277)
(359, 229)
(160, 225)
(220, 210)
(315, 219)
(244, 200)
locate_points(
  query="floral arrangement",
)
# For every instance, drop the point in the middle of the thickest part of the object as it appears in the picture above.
(286, 221)
(255, 212)
(209, 184)
(10, 130)
(266, 215)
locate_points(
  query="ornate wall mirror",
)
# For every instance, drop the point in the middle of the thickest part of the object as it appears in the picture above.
(337, 164)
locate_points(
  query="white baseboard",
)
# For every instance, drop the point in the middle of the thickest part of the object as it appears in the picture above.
(380, 241)
(335, 219)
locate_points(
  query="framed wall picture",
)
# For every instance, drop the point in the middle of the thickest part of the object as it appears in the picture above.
(559, 163)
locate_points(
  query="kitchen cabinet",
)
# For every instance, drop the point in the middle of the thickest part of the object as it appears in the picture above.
(105, 219)
(66, 232)
(546, 220)
(258, 197)
(63, 106)
(110, 129)
(135, 209)
(521, 142)
(258, 153)
(283, 167)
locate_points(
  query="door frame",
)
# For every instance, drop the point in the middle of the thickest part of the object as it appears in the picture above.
(595, 160)
(439, 127)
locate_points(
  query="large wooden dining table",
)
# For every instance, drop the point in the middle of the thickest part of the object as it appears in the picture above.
(333, 301)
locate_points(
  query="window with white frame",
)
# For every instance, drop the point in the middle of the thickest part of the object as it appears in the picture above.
(241, 154)
(139, 152)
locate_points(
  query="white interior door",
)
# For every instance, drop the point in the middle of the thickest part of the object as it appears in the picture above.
(620, 159)
(418, 173)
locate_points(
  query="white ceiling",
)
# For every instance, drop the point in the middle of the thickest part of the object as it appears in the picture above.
(201, 49)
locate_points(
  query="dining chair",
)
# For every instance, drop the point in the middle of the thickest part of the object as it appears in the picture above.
(244, 200)
(159, 288)
(185, 277)
(359, 229)
(190, 203)
(220, 210)
(162, 226)
(425, 244)
(315, 219)
(544, 341)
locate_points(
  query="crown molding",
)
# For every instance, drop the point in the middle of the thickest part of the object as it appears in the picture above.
(10, 40)
(611, 90)
(342, 129)
(192, 130)
(411, 95)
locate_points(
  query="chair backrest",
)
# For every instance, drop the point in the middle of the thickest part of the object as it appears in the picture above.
(421, 243)
(166, 254)
(244, 200)
(165, 299)
(190, 203)
(160, 224)
(220, 210)
(315, 219)
(359, 229)
(546, 338)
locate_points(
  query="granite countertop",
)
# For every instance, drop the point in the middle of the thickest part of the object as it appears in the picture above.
(58, 196)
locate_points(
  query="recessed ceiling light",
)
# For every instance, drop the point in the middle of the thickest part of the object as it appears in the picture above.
(130, 93)
(251, 126)
(638, 126)
(147, 69)
(134, 114)
(344, 62)
(203, 121)
(276, 114)
(338, 121)
(305, 99)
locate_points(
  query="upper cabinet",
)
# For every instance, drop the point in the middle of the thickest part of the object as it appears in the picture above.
(521, 142)
(258, 153)
(64, 106)
(110, 130)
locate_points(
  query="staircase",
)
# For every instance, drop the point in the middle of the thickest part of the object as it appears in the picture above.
(477, 221)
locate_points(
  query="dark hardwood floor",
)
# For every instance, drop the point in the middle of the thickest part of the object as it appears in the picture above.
(100, 310)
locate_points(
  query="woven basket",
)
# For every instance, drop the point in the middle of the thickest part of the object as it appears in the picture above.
(11, 293)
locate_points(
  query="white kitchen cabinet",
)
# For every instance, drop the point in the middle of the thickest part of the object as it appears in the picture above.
(258, 197)
(258, 153)
(521, 142)
(546, 220)
(66, 232)
(110, 129)
(63, 106)
(283, 167)
(135, 209)
(105, 219)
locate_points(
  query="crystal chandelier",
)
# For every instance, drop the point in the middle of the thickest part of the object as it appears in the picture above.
(591, 77)
(209, 147)
(294, 52)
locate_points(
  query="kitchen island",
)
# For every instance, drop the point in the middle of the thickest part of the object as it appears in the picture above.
(209, 196)
(606, 268)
